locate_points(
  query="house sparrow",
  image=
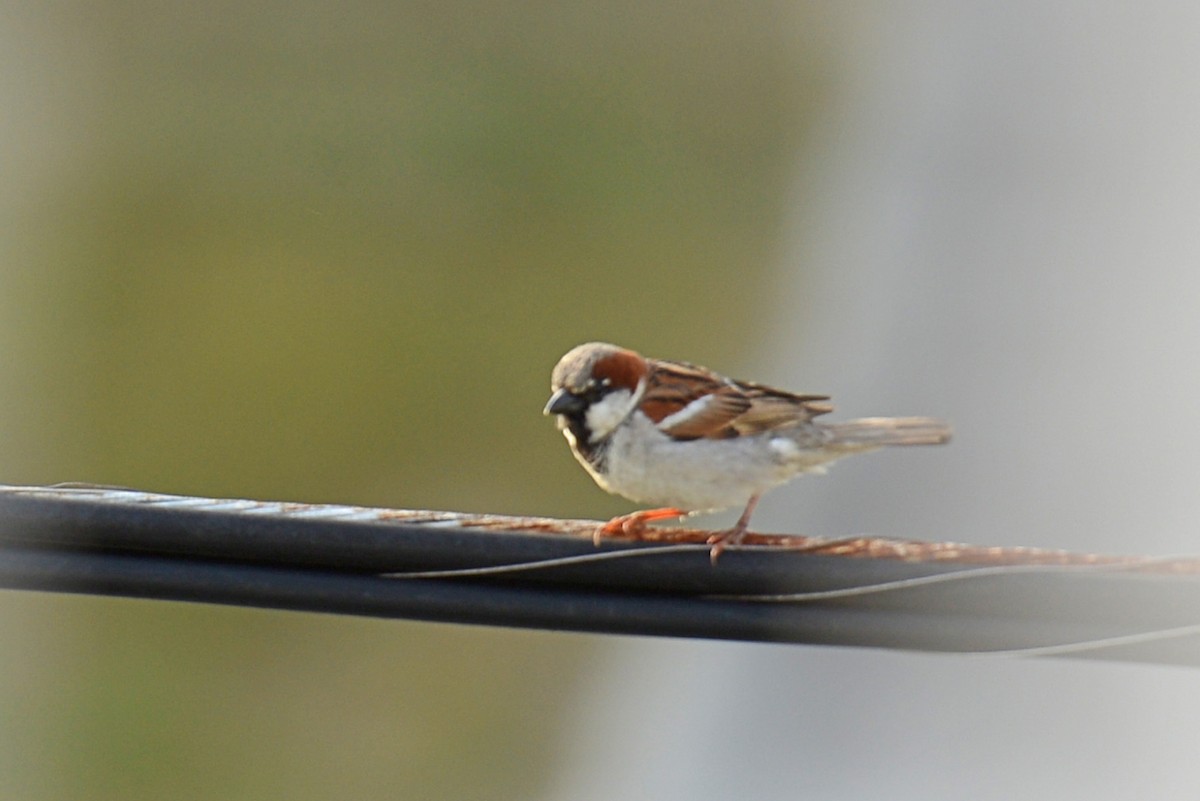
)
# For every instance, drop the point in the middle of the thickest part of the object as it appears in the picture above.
(678, 436)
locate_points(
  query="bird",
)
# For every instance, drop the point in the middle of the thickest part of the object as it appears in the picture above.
(683, 439)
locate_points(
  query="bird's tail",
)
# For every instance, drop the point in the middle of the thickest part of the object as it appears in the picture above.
(876, 432)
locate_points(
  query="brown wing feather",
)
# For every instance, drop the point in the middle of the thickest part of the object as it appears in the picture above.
(773, 408)
(674, 386)
(723, 408)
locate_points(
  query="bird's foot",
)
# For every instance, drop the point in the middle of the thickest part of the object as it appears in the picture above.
(723, 539)
(634, 524)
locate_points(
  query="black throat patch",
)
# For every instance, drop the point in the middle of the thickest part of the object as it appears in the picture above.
(594, 453)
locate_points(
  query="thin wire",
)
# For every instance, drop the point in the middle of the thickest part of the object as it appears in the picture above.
(951, 576)
(541, 564)
(1083, 646)
(600, 556)
(795, 597)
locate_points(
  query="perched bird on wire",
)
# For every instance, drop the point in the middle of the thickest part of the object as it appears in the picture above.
(685, 439)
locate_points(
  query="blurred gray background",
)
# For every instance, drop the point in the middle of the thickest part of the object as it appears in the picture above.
(998, 222)
(330, 254)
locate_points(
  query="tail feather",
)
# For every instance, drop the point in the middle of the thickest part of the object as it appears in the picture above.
(876, 432)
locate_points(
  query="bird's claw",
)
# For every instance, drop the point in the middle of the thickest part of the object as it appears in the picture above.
(633, 525)
(722, 540)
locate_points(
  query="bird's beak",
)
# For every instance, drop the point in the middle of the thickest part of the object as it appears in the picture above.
(563, 402)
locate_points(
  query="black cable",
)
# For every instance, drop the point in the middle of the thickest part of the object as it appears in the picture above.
(355, 561)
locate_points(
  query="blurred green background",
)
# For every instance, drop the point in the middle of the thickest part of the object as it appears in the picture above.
(326, 252)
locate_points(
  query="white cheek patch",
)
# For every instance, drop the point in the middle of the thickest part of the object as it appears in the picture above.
(607, 413)
(685, 414)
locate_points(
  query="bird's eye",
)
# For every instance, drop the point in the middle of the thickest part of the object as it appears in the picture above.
(595, 390)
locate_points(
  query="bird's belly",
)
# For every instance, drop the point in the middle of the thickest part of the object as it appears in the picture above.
(697, 475)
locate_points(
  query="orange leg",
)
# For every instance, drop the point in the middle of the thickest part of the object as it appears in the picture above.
(732, 536)
(634, 523)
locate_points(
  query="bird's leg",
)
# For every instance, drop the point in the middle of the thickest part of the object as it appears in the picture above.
(732, 536)
(634, 523)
